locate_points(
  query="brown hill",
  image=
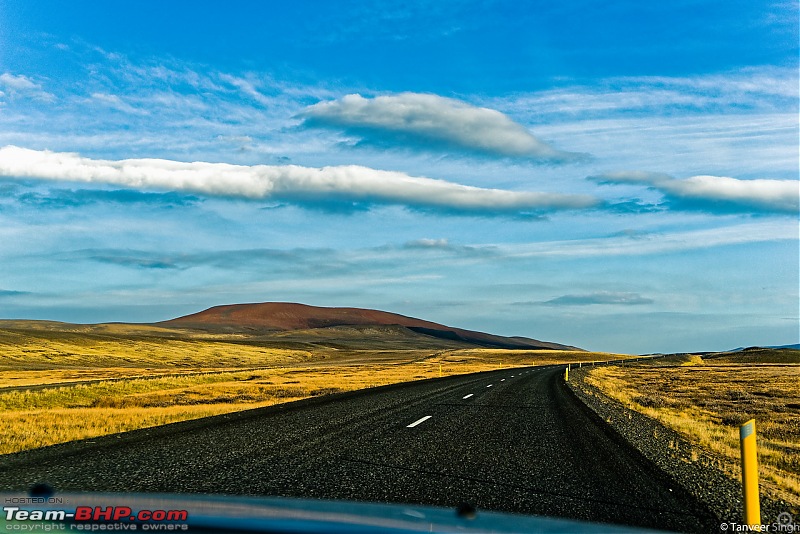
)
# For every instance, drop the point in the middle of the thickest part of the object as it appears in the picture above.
(282, 316)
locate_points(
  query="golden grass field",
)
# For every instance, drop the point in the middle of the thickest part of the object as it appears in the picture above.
(60, 383)
(113, 378)
(706, 400)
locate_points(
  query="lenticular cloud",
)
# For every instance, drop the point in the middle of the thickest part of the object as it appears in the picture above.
(716, 193)
(426, 121)
(285, 182)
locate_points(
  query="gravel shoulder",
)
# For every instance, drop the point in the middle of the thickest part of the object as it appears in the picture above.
(691, 467)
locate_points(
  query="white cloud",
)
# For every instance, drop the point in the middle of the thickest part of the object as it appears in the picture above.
(20, 85)
(766, 89)
(777, 195)
(246, 87)
(600, 297)
(452, 255)
(286, 182)
(717, 192)
(421, 119)
(115, 102)
(758, 82)
(18, 82)
(428, 243)
(654, 243)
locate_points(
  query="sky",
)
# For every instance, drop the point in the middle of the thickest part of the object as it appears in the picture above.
(620, 176)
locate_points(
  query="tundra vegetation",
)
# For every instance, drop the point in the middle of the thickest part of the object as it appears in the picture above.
(61, 383)
(706, 398)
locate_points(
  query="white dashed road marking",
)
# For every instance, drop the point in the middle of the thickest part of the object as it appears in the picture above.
(467, 396)
(490, 385)
(415, 423)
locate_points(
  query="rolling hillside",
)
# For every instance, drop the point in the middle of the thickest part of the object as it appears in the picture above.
(274, 317)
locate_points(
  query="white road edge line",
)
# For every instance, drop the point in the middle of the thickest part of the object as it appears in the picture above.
(415, 423)
(467, 396)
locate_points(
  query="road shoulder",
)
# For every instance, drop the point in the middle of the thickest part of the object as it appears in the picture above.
(691, 467)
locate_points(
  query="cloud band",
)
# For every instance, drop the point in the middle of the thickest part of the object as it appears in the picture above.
(290, 183)
(716, 193)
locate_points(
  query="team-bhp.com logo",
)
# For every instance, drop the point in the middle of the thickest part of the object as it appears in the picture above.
(100, 518)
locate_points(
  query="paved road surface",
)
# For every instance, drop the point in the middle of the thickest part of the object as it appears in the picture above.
(508, 440)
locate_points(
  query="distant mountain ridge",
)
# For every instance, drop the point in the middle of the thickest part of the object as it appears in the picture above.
(285, 316)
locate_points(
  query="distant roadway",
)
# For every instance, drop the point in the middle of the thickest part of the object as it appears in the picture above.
(513, 440)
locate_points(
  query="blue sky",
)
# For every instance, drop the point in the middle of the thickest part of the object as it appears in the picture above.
(620, 176)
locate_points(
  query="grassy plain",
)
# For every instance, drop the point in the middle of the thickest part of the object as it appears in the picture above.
(706, 398)
(61, 382)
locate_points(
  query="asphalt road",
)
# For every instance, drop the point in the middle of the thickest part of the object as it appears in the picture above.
(508, 440)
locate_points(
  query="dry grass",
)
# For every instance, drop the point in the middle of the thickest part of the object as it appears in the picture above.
(137, 376)
(706, 401)
(531, 357)
(21, 379)
(30, 350)
(24, 430)
(45, 417)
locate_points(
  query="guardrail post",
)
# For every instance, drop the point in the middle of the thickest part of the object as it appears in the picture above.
(752, 506)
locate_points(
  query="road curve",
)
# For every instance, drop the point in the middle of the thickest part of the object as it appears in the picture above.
(510, 440)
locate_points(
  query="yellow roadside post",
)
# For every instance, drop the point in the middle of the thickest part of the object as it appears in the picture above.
(747, 439)
(566, 374)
